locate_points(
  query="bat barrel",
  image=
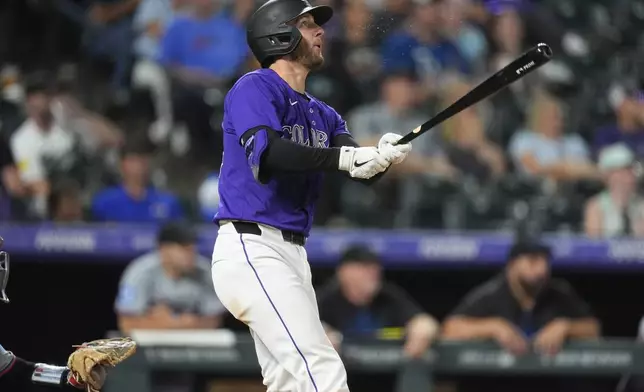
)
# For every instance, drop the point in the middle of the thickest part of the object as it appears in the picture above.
(544, 50)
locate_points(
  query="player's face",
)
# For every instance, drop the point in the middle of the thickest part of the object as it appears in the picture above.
(38, 104)
(622, 180)
(399, 91)
(181, 257)
(135, 167)
(426, 15)
(360, 282)
(551, 118)
(309, 51)
(531, 273)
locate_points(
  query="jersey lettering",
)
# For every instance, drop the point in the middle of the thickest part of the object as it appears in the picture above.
(297, 134)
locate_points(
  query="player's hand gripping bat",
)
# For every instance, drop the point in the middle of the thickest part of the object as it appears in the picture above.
(526, 63)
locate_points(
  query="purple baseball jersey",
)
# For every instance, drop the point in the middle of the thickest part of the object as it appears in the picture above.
(262, 102)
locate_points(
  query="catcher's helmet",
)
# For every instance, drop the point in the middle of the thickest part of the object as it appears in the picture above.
(4, 273)
(270, 36)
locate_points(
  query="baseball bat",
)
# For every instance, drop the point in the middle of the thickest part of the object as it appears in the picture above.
(526, 63)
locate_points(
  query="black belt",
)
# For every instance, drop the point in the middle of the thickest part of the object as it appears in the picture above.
(253, 228)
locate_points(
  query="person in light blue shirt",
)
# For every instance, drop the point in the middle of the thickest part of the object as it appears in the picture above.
(209, 41)
(545, 150)
(135, 200)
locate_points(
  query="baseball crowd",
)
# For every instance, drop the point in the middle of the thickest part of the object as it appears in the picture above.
(111, 111)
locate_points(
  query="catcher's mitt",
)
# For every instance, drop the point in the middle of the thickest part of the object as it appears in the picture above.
(102, 352)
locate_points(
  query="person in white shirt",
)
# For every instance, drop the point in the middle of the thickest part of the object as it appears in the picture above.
(38, 142)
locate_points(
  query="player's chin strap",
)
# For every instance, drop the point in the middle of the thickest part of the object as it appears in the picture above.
(4, 273)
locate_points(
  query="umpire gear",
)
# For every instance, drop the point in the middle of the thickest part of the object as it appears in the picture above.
(269, 33)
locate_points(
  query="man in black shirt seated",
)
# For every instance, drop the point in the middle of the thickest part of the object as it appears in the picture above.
(523, 309)
(357, 303)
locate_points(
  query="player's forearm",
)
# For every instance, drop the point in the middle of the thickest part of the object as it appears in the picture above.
(198, 322)
(127, 325)
(587, 328)
(21, 374)
(285, 156)
(12, 182)
(465, 328)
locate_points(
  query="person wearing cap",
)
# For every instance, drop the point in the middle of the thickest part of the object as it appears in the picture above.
(523, 308)
(619, 209)
(626, 99)
(169, 288)
(135, 199)
(358, 303)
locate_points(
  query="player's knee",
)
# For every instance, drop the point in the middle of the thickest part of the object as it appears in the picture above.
(330, 374)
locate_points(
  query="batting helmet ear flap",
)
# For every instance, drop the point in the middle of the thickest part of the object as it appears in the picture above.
(278, 45)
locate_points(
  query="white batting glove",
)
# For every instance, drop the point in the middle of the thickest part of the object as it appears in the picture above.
(394, 153)
(362, 162)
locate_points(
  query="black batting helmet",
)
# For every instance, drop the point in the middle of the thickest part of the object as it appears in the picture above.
(270, 36)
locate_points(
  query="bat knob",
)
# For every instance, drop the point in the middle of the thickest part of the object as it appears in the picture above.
(545, 50)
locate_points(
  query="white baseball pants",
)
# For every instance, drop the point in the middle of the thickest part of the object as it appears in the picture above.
(265, 282)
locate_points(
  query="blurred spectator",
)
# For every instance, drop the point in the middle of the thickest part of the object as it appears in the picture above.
(506, 31)
(628, 104)
(110, 35)
(544, 25)
(135, 200)
(397, 111)
(11, 186)
(420, 47)
(202, 52)
(469, 39)
(40, 145)
(169, 288)
(468, 149)
(108, 32)
(65, 204)
(11, 100)
(359, 304)
(618, 210)
(544, 148)
(523, 307)
(150, 22)
(208, 196)
(206, 47)
(350, 76)
(507, 34)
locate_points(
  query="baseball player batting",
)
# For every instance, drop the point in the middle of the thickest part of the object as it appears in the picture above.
(278, 143)
(86, 366)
